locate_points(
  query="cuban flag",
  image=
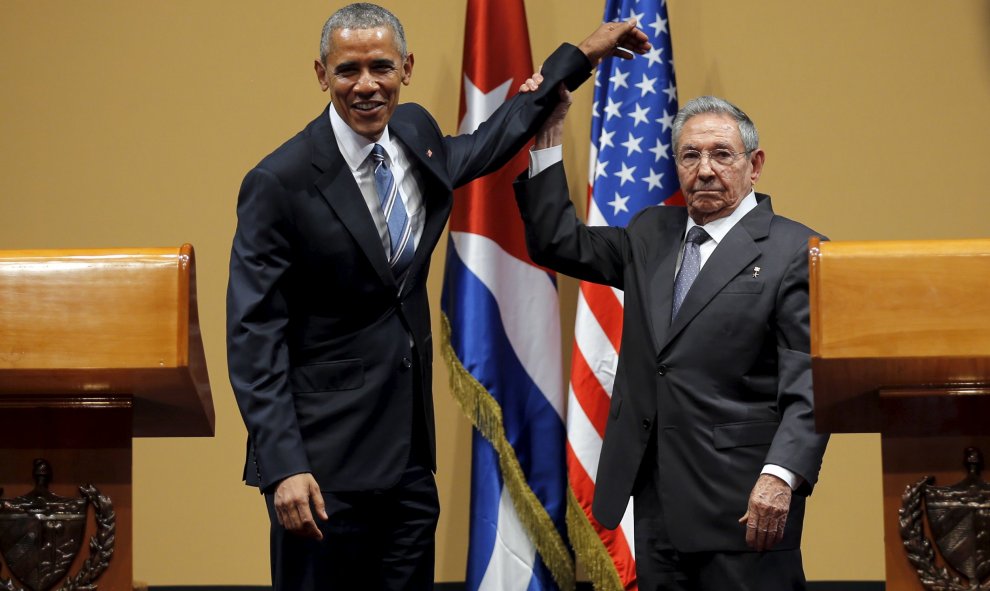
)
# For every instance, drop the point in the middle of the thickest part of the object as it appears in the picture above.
(501, 341)
(631, 167)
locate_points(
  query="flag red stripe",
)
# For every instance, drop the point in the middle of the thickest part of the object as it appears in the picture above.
(588, 392)
(614, 540)
(606, 308)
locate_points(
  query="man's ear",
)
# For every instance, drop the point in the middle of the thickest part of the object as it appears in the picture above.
(407, 67)
(757, 160)
(321, 74)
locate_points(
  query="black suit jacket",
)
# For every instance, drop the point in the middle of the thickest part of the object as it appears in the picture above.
(325, 351)
(726, 386)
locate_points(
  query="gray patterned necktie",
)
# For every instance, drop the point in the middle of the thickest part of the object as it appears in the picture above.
(690, 266)
(399, 228)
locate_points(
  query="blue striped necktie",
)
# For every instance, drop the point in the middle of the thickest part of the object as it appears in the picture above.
(399, 229)
(690, 266)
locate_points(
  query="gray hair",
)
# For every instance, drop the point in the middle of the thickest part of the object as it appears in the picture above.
(714, 104)
(361, 15)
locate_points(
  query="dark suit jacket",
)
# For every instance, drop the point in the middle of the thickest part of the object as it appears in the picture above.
(726, 387)
(324, 349)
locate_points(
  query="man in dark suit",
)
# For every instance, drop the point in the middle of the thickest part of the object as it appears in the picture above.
(711, 425)
(328, 323)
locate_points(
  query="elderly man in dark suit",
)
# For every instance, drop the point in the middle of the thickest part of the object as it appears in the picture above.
(328, 323)
(711, 426)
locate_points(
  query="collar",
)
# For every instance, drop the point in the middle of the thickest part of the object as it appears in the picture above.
(354, 147)
(717, 229)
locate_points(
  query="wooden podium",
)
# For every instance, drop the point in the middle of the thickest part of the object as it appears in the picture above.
(96, 347)
(900, 345)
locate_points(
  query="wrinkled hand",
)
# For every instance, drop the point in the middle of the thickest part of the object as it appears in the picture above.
(615, 39)
(552, 131)
(766, 515)
(292, 505)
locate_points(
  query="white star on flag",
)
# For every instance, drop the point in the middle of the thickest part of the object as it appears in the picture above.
(658, 25)
(632, 144)
(479, 105)
(661, 150)
(600, 169)
(626, 174)
(646, 85)
(667, 121)
(612, 109)
(606, 138)
(639, 115)
(671, 92)
(619, 204)
(653, 55)
(653, 181)
(619, 79)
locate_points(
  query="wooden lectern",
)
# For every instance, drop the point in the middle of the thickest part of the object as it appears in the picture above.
(900, 344)
(97, 347)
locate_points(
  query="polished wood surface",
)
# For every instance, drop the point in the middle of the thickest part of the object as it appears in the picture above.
(896, 314)
(112, 321)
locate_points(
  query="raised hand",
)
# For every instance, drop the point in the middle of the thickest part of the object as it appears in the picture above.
(615, 39)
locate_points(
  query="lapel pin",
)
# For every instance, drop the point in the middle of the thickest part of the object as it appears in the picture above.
(429, 153)
(756, 271)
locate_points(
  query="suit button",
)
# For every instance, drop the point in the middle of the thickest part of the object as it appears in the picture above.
(406, 363)
(646, 424)
(661, 370)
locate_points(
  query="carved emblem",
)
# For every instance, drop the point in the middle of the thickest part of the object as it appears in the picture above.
(959, 520)
(41, 533)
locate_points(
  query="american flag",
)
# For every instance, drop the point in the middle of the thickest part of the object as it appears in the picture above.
(631, 167)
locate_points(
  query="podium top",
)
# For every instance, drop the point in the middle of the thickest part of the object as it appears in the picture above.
(91, 323)
(925, 298)
(900, 316)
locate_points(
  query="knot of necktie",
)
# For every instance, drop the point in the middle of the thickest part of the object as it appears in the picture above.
(697, 235)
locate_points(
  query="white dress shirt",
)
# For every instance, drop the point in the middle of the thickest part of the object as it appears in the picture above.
(356, 150)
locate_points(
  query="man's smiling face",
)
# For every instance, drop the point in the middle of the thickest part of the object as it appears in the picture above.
(364, 72)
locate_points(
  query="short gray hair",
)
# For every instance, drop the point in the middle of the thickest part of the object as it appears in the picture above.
(714, 104)
(361, 15)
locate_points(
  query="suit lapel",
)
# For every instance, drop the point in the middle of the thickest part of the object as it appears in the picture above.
(435, 187)
(660, 284)
(339, 189)
(736, 251)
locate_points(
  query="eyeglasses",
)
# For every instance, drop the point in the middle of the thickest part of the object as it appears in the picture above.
(691, 159)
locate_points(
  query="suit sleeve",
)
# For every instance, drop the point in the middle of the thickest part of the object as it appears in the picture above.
(257, 318)
(796, 446)
(557, 239)
(516, 121)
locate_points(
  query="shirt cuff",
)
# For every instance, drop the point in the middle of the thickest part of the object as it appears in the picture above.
(540, 160)
(792, 479)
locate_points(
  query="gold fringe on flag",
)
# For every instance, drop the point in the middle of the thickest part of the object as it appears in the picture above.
(485, 414)
(589, 548)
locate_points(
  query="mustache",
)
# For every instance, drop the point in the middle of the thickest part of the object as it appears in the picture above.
(708, 187)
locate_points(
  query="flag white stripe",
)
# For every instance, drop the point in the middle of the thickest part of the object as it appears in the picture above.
(511, 563)
(527, 303)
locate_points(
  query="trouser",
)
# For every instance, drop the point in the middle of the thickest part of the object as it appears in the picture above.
(659, 566)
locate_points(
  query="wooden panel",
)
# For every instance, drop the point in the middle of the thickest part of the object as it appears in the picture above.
(893, 299)
(906, 460)
(101, 322)
(86, 309)
(898, 314)
(99, 455)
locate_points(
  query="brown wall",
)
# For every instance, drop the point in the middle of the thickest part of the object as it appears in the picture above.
(129, 123)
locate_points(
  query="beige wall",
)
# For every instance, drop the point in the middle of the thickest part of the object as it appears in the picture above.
(129, 123)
